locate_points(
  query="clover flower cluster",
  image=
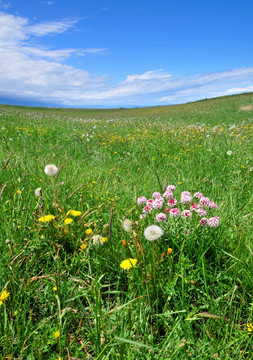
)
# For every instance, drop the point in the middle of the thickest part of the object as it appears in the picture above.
(188, 205)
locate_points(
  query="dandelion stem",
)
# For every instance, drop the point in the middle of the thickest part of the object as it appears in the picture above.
(56, 198)
(153, 257)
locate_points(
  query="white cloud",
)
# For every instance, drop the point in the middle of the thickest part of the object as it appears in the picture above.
(38, 73)
(51, 27)
(12, 28)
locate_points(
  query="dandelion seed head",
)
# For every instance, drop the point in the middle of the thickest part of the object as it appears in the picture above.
(153, 232)
(38, 191)
(229, 152)
(97, 240)
(51, 170)
(127, 225)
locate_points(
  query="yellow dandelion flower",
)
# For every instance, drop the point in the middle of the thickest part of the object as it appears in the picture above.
(83, 246)
(74, 213)
(46, 218)
(68, 221)
(18, 191)
(57, 334)
(169, 251)
(104, 239)
(4, 296)
(249, 327)
(88, 231)
(55, 288)
(127, 264)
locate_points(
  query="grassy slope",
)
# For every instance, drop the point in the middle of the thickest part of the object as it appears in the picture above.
(220, 105)
(200, 299)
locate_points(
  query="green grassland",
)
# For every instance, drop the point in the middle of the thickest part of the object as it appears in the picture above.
(63, 295)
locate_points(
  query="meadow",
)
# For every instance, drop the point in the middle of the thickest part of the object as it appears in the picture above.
(95, 263)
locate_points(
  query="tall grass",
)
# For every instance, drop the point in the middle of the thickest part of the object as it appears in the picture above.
(68, 297)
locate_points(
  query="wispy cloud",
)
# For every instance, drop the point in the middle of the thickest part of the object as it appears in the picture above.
(5, 5)
(52, 27)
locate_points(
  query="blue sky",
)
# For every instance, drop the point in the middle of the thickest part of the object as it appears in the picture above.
(124, 53)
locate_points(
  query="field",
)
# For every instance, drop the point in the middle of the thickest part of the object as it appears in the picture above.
(93, 280)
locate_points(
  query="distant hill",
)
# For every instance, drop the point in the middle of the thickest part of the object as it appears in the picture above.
(222, 108)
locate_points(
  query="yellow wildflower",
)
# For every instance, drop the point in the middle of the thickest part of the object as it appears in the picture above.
(4, 296)
(55, 288)
(127, 264)
(46, 218)
(104, 239)
(18, 191)
(83, 246)
(68, 221)
(74, 213)
(169, 251)
(88, 231)
(57, 334)
(249, 327)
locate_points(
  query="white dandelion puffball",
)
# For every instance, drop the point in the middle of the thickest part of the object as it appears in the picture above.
(97, 240)
(153, 232)
(51, 170)
(127, 225)
(229, 152)
(38, 192)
